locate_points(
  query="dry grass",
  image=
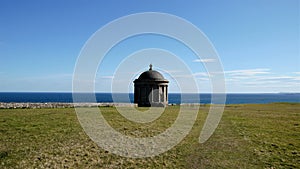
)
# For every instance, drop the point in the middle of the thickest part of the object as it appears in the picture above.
(249, 136)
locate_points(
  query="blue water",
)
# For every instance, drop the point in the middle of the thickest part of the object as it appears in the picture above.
(174, 98)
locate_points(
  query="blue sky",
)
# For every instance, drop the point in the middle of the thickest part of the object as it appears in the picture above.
(257, 41)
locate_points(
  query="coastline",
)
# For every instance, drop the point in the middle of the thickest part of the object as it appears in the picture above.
(14, 105)
(31, 105)
(59, 105)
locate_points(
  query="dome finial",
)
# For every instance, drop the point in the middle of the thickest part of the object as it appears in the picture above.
(150, 67)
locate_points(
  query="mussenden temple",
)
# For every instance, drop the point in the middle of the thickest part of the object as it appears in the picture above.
(151, 89)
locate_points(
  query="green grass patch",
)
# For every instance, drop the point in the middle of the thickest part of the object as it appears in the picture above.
(248, 136)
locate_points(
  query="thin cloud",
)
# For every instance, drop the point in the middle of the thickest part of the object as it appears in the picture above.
(239, 74)
(279, 78)
(207, 75)
(107, 77)
(262, 79)
(202, 74)
(204, 60)
(202, 78)
(248, 72)
(183, 76)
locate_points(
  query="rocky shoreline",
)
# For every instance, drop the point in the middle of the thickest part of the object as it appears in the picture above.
(58, 105)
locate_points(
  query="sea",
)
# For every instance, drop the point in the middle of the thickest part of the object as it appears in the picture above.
(174, 98)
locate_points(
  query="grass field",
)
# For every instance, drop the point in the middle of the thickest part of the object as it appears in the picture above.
(248, 136)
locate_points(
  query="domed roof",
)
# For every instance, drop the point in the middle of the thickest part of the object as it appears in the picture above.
(151, 75)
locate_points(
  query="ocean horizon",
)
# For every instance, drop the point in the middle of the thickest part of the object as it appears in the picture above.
(174, 98)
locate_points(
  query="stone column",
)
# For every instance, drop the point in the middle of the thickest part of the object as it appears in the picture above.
(164, 93)
(152, 93)
(167, 93)
(159, 87)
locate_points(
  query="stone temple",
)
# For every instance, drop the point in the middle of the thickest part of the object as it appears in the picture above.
(151, 89)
